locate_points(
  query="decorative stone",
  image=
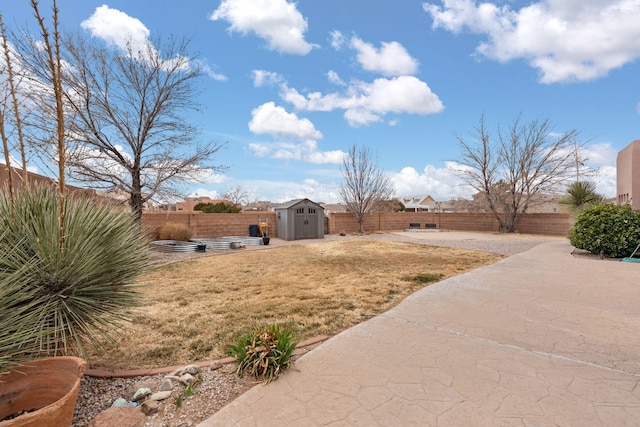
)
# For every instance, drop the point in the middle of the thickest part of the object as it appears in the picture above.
(166, 385)
(121, 401)
(160, 395)
(215, 366)
(187, 378)
(144, 383)
(149, 407)
(190, 369)
(119, 416)
(141, 394)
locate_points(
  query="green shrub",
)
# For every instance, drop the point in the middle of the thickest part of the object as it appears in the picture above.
(219, 207)
(610, 228)
(264, 353)
(54, 297)
(173, 231)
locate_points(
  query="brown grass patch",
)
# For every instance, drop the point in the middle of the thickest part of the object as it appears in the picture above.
(194, 309)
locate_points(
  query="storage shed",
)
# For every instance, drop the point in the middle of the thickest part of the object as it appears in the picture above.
(300, 219)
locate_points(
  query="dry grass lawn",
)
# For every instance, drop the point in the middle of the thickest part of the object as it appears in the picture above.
(194, 309)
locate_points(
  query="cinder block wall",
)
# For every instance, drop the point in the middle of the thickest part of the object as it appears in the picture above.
(209, 225)
(218, 225)
(546, 224)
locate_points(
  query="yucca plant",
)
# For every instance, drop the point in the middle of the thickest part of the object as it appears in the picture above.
(55, 297)
(264, 353)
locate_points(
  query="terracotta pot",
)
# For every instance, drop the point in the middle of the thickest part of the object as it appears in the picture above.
(47, 387)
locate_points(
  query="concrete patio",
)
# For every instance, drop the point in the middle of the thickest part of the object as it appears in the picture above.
(542, 338)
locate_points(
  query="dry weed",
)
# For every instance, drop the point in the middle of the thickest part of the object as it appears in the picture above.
(195, 309)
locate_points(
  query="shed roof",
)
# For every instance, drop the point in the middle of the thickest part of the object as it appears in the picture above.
(292, 203)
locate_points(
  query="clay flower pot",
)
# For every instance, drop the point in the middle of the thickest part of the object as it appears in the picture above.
(48, 388)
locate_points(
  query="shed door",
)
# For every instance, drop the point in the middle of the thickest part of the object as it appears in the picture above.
(306, 226)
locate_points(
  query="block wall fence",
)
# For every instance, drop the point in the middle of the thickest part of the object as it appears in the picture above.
(218, 225)
(209, 225)
(550, 224)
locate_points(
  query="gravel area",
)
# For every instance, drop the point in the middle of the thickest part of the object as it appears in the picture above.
(220, 386)
(503, 244)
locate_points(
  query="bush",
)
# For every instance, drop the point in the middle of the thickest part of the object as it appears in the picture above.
(173, 231)
(264, 353)
(54, 297)
(219, 207)
(610, 228)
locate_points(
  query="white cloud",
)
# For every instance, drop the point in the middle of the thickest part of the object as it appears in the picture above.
(606, 181)
(266, 78)
(276, 21)
(335, 78)
(209, 72)
(283, 191)
(337, 39)
(440, 183)
(117, 28)
(600, 154)
(392, 59)
(306, 151)
(128, 33)
(566, 40)
(273, 120)
(295, 137)
(204, 192)
(365, 103)
(209, 176)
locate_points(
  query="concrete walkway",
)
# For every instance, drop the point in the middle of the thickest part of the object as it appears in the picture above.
(541, 338)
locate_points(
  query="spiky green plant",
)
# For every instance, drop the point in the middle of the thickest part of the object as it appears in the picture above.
(53, 298)
(264, 353)
(580, 195)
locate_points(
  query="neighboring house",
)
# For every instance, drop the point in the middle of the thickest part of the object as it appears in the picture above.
(260, 206)
(34, 178)
(628, 175)
(418, 203)
(330, 208)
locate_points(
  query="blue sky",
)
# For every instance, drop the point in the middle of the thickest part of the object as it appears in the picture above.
(291, 86)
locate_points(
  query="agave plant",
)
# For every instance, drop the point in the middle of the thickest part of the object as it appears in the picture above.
(56, 295)
(264, 353)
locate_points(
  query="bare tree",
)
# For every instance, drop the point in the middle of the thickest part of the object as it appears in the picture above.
(364, 184)
(127, 129)
(130, 131)
(236, 195)
(525, 162)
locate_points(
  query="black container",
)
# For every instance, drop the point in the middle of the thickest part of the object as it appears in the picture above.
(254, 231)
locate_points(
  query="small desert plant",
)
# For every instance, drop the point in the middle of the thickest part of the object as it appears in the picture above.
(52, 296)
(188, 391)
(264, 353)
(612, 229)
(173, 231)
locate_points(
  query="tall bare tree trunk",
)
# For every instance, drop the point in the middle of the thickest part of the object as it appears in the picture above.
(14, 99)
(55, 66)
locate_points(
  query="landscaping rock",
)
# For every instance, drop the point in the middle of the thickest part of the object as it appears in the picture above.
(122, 416)
(140, 394)
(187, 378)
(160, 395)
(166, 385)
(121, 401)
(150, 407)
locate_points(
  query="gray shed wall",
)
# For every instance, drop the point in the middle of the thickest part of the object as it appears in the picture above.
(302, 220)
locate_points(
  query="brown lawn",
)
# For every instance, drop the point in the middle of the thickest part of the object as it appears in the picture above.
(194, 309)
